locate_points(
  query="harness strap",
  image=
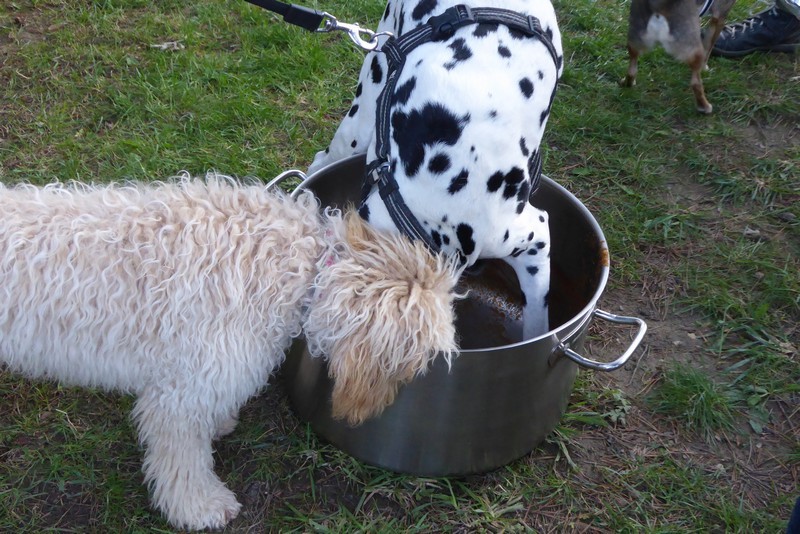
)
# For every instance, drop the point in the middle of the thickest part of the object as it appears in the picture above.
(396, 50)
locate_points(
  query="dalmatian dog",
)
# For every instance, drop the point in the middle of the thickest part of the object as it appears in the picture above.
(465, 120)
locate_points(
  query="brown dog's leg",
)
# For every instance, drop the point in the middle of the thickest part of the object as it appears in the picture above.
(696, 63)
(633, 67)
(715, 26)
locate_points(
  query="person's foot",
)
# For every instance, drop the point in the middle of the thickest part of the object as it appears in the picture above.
(773, 30)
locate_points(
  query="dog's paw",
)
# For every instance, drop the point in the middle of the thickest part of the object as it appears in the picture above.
(705, 109)
(216, 512)
(225, 427)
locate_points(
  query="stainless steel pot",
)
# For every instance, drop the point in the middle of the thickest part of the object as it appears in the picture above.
(503, 395)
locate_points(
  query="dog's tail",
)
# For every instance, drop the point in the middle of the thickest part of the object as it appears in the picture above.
(381, 312)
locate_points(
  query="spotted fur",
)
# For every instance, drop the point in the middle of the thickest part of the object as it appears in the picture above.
(466, 122)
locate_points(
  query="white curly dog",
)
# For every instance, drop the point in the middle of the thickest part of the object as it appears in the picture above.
(187, 293)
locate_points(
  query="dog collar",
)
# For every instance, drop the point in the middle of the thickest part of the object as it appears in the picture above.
(706, 6)
(438, 28)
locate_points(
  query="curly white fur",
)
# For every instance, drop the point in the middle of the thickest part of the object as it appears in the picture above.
(187, 294)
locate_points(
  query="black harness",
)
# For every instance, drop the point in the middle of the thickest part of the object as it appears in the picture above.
(438, 28)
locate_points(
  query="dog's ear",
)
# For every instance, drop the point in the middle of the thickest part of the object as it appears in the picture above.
(382, 311)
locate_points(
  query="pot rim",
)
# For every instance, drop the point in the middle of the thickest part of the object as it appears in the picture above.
(573, 326)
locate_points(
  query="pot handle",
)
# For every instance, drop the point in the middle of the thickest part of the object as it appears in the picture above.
(285, 175)
(619, 362)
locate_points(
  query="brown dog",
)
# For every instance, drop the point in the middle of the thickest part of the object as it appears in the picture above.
(675, 24)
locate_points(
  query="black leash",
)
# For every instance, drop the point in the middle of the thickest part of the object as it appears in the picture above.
(319, 21)
(438, 28)
(309, 19)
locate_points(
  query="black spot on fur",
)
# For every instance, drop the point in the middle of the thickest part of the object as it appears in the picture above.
(401, 21)
(446, 239)
(458, 183)
(439, 163)
(541, 75)
(484, 28)
(524, 299)
(532, 252)
(495, 181)
(532, 270)
(387, 10)
(540, 245)
(464, 234)
(505, 236)
(364, 212)
(354, 144)
(493, 114)
(524, 147)
(541, 218)
(530, 236)
(511, 180)
(437, 238)
(413, 131)
(526, 86)
(376, 70)
(461, 52)
(547, 299)
(517, 251)
(522, 196)
(424, 7)
(503, 51)
(403, 93)
(359, 89)
(353, 110)
(517, 34)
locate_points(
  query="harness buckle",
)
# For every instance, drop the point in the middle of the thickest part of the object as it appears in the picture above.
(447, 23)
(378, 171)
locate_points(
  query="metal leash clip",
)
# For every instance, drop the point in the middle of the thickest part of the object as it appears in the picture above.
(363, 38)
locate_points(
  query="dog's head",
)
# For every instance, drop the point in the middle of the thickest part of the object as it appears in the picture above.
(382, 310)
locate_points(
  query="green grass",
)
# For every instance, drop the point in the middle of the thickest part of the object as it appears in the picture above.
(702, 404)
(702, 216)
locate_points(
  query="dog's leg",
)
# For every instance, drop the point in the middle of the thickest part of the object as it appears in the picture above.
(178, 462)
(532, 266)
(696, 63)
(633, 68)
(225, 425)
(719, 14)
(710, 36)
(534, 282)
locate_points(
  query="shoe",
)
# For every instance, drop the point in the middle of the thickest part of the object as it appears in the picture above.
(773, 30)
